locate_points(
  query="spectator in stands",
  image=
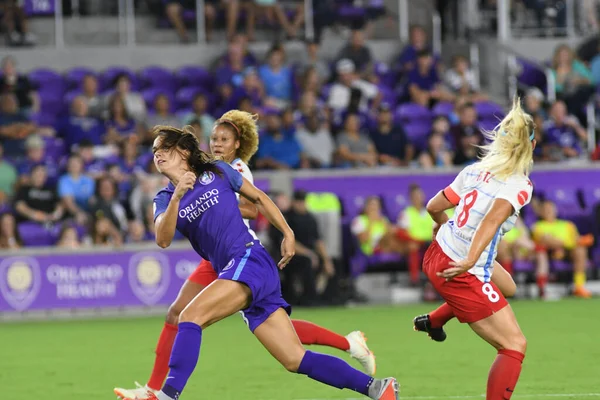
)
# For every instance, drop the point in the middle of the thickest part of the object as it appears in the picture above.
(130, 159)
(424, 84)
(561, 238)
(461, 79)
(517, 244)
(534, 103)
(79, 125)
(35, 154)
(309, 104)
(237, 42)
(316, 141)
(350, 92)
(104, 233)
(373, 230)
(174, 11)
(436, 154)
(277, 77)
(273, 12)
(68, 238)
(92, 166)
(9, 235)
(93, 99)
(12, 82)
(353, 147)
(562, 134)
(15, 127)
(8, 177)
(251, 88)
(357, 52)
(142, 196)
(415, 229)
(75, 189)
(134, 102)
(136, 233)
(467, 136)
(38, 201)
(311, 257)
(310, 81)
(313, 59)
(15, 16)
(573, 80)
(162, 114)
(119, 125)
(277, 151)
(200, 112)
(390, 140)
(231, 71)
(199, 133)
(407, 61)
(105, 204)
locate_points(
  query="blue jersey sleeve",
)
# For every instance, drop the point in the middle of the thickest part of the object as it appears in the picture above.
(234, 177)
(161, 202)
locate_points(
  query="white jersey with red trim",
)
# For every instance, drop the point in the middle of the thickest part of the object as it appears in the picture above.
(473, 191)
(243, 169)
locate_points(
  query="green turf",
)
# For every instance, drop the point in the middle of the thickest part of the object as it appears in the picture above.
(86, 359)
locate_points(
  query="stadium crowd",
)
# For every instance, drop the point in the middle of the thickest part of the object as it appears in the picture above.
(74, 148)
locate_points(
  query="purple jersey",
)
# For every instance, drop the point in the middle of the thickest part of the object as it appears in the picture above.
(209, 216)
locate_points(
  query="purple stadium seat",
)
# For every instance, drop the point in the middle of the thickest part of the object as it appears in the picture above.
(44, 119)
(157, 77)
(194, 76)
(107, 77)
(523, 266)
(388, 96)
(444, 108)
(34, 234)
(150, 94)
(47, 80)
(418, 132)
(488, 124)
(411, 112)
(394, 203)
(489, 110)
(530, 74)
(353, 203)
(591, 197)
(560, 266)
(185, 96)
(51, 103)
(74, 76)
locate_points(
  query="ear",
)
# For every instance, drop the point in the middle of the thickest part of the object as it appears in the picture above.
(237, 144)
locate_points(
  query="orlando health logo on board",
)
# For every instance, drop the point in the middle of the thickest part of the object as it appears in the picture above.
(149, 276)
(20, 281)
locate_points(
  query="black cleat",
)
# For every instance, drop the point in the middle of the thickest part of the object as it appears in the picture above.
(422, 324)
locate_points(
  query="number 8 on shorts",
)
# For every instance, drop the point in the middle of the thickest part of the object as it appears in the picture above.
(491, 294)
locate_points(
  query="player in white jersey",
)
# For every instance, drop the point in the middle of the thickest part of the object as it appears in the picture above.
(460, 262)
(235, 140)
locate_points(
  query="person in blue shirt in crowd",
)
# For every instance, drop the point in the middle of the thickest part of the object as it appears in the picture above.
(278, 151)
(200, 202)
(277, 77)
(79, 125)
(75, 189)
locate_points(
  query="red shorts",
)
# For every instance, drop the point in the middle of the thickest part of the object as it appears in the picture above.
(204, 274)
(470, 299)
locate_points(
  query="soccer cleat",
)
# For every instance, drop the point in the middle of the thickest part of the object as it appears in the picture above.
(139, 393)
(385, 389)
(360, 351)
(582, 292)
(423, 324)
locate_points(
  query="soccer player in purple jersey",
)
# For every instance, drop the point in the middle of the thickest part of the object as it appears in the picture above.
(200, 202)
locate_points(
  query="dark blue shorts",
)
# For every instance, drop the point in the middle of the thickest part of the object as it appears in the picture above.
(258, 271)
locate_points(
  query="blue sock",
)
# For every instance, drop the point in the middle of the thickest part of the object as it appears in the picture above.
(184, 358)
(334, 372)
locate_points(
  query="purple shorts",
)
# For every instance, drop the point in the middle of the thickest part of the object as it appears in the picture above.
(257, 270)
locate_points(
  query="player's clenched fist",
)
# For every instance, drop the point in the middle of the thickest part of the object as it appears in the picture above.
(186, 183)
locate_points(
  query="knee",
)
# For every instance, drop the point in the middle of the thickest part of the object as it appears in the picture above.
(173, 10)
(173, 314)
(292, 361)
(517, 342)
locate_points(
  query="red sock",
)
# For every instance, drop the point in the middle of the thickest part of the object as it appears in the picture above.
(163, 354)
(414, 265)
(441, 315)
(310, 333)
(541, 281)
(504, 375)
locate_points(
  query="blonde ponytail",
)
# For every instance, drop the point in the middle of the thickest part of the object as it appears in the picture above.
(510, 150)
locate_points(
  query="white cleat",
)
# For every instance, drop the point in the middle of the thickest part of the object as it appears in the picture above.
(139, 393)
(360, 351)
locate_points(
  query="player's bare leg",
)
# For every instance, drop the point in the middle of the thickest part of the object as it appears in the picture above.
(433, 323)
(188, 291)
(502, 331)
(279, 338)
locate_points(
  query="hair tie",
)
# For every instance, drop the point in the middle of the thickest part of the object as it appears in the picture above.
(230, 122)
(531, 137)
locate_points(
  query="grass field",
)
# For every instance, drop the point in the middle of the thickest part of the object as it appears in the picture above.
(86, 359)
